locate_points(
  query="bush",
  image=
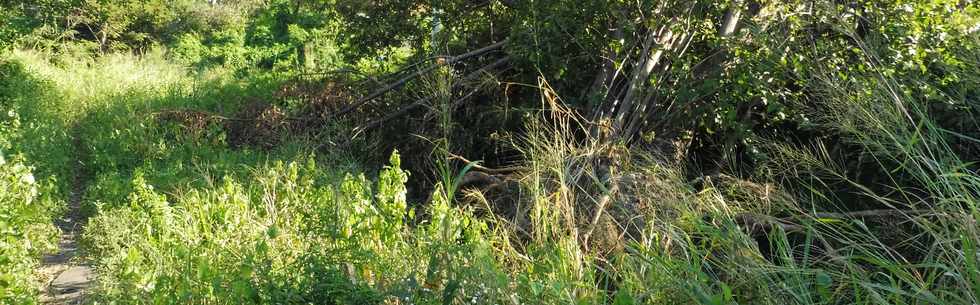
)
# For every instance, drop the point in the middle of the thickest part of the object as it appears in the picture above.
(29, 197)
(293, 236)
(26, 230)
(233, 244)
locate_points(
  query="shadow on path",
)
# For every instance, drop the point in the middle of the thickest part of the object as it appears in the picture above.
(70, 276)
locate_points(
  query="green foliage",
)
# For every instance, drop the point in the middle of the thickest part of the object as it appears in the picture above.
(26, 230)
(312, 243)
(285, 32)
(216, 245)
(209, 35)
(9, 30)
(27, 202)
(926, 43)
(554, 36)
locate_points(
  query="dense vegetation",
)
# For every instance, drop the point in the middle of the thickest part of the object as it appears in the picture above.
(494, 152)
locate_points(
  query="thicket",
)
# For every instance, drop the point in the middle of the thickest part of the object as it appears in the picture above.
(630, 152)
(29, 199)
(25, 230)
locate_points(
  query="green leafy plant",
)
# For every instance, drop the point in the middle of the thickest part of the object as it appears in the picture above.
(26, 230)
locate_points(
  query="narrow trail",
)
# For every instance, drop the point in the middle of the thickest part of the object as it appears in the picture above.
(69, 277)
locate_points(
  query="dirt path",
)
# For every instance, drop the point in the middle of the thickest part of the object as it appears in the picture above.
(68, 276)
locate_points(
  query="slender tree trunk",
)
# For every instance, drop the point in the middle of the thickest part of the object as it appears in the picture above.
(730, 23)
(103, 40)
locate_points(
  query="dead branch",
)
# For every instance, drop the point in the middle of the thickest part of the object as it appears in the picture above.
(478, 178)
(603, 202)
(756, 223)
(482, 168)
(422, 101)
(448, 60)
(212, 115)
(871, 213)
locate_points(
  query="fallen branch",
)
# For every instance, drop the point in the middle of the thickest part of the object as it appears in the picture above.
(401, 112)
(482, 168)
(448, 60)
(343, 71)
(788, 224)
(478, 178)
(763, 224)
(870, 213)
(422, 101)
(603, 202)
(756, 223)
(212, 115)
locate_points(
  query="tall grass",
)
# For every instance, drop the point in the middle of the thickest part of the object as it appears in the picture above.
(703, 245)
(614, 226)
(929, 186)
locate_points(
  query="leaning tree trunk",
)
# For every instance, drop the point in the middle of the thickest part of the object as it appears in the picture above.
(631, 103)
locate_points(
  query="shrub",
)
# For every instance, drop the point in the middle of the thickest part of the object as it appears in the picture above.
(26, 230)
(233, 244)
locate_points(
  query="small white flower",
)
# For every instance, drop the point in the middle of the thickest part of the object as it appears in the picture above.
(27, 179)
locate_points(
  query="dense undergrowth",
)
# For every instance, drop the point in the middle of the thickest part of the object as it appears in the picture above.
(26, 230)
(30, 195)
(837, 166)
(177, 217)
